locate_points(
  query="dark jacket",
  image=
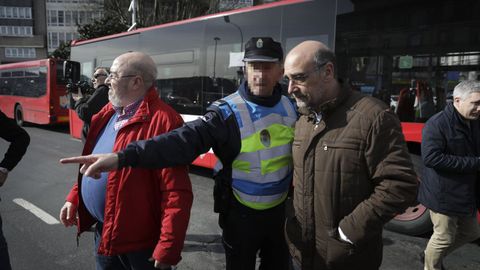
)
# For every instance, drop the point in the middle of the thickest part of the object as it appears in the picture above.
(450, 151)
(18, 138)
(86, 107)
(144, 209)
(184, 144)
(351, 170)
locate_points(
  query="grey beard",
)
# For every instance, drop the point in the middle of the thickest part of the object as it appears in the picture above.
(305, 110)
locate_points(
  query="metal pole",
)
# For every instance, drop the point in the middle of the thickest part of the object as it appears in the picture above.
(216, 39)
(133, 8)
(227, 20)
(134, 13)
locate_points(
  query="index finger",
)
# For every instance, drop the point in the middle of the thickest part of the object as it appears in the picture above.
(79, 159)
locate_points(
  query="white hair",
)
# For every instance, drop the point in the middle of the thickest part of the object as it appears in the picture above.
(465, 88)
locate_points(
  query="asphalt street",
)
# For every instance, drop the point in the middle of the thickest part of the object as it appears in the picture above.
(42, 182)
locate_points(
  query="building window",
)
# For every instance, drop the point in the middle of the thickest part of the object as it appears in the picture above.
(61, 21)
(15, 31)
(68, 18)
(56, 38)
(53, 40)
(82, 17)
(20, 52)
(22, 13)
(75, 18)
(52, 18)
(9, 12)
(15, 12)
(61, 37)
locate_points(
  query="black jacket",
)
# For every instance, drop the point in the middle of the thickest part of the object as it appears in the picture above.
(18, 139)
(86, 107)
(181, 146)
(450, 151)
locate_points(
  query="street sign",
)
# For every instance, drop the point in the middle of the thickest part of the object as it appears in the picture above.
(405, 62)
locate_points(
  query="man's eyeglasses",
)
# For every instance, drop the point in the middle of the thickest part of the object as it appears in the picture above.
(114, 76)
(99, 75)
(301, 78)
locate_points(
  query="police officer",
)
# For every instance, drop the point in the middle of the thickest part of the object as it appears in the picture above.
(251, 132)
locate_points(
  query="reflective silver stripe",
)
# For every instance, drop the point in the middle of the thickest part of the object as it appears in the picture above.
(264, 154)
(268, 120)
(249, 127)
(255, 175)
(258, 198)
(288, 107)
(247, 124)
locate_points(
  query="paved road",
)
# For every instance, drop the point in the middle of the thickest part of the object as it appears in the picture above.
(42, 181)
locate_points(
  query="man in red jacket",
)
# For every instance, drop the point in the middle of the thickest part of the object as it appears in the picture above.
(139, 224)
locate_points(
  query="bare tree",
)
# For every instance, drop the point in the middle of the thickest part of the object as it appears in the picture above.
(157, 11)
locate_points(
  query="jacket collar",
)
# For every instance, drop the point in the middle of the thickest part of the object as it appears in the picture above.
(142, 113)
(455, 117)
(101, 119)
(330, 105)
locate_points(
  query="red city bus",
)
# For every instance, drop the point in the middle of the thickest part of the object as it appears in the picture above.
(197, 62)
(34, 92)
(198, 59)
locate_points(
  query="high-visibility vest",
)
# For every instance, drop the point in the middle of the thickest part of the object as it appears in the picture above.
(262, 171)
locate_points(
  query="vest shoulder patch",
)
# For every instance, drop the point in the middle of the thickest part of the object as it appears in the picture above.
(223, 107)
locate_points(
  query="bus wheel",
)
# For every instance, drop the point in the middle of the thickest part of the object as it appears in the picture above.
(18, 115)
(414, 221)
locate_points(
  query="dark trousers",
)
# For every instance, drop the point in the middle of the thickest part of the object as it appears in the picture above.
(4, 258)
(137, 260)
(247, 232)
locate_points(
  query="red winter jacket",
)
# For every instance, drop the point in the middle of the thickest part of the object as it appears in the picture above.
(144, 208)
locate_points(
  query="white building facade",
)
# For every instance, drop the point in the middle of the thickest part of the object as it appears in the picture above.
(64, 16)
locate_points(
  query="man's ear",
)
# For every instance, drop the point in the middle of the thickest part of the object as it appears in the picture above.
(281, 72)
(328, 71)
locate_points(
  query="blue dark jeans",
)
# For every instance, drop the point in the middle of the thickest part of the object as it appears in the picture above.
(137, 260)
(4, 258)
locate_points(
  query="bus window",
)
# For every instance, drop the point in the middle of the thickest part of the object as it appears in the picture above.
(25, 95)
(24, 82)
(60, 77)
(183, 94)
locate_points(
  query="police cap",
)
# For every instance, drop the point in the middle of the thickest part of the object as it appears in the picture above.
(263, 49)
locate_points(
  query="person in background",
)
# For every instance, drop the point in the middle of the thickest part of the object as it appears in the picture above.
(451, 154)
(352, 169)
(251, 132)
(88, 105)
(141, 215)
(19, 141)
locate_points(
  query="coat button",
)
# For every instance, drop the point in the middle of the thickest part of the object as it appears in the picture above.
(325, 147)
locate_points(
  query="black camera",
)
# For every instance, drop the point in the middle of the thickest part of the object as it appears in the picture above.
(84, 87)
(71, 75)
